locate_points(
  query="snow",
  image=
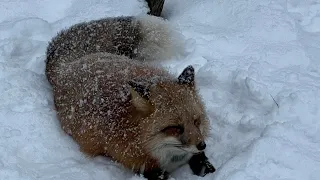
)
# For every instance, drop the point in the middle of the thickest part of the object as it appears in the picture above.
(246, 52)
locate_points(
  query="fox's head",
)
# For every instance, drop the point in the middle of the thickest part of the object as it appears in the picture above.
(176, 124)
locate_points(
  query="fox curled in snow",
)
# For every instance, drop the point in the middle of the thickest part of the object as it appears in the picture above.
(114, 103)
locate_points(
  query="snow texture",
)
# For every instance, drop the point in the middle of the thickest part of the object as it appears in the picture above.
(257, 68)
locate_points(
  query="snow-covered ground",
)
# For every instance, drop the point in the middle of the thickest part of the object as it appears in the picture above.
(258, 70)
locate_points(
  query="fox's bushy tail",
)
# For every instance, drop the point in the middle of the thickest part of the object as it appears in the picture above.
(159, 39)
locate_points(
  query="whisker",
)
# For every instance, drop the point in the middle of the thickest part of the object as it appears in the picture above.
(166, 145)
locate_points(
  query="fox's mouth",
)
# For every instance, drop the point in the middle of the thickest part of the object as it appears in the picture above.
(189, 150)
(186, 149)
(173, 147)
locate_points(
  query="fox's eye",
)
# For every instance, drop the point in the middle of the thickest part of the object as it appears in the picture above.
(173, 130)
(197, 122)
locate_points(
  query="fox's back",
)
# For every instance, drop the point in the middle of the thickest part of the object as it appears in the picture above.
(118, 35)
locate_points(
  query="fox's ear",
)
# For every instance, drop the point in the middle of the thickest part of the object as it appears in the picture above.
(187, 76)
(140, 96)
(142, 90)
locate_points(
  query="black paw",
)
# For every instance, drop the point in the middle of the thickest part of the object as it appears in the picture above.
(208, 168)
(200, 165)
(156, 174)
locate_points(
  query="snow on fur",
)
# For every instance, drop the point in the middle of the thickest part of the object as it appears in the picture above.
(244, 52)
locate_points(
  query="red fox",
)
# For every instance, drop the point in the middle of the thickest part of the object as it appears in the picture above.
(114, 102)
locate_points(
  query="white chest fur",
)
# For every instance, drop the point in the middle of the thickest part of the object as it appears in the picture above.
(177, 161)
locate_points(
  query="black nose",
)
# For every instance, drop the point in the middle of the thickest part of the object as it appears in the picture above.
(201, 146)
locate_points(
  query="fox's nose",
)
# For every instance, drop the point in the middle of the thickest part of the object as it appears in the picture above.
(201, 146)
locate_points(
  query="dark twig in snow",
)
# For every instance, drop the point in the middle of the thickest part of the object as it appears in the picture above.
(274, 100)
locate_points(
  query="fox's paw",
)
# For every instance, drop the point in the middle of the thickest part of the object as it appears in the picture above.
(208, 168)
(156, 174)
(200, 165)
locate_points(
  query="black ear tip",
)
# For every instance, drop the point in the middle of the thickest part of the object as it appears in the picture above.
(190, 68)
(187, 75)
(132, 84)
(142, 90)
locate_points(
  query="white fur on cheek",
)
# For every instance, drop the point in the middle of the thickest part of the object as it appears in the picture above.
(170, 157)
